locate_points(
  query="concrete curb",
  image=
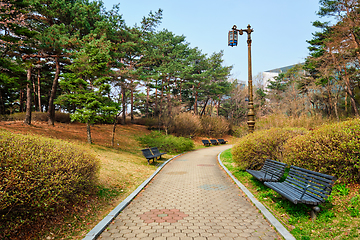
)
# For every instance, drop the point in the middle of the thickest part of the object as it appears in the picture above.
(100, 227)
(279, 227)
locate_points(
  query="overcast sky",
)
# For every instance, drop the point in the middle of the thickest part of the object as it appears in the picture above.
(281, 28)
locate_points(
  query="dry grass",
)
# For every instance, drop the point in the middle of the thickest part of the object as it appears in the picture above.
(281, 120)
(123, 169)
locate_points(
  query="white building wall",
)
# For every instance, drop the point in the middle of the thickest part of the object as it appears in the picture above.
(267, 77)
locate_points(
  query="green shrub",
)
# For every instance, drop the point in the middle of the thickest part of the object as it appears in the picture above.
(253, 149)
(332, 149)
(214, 126)
(167, 143)
(185, 124)
(38, 176)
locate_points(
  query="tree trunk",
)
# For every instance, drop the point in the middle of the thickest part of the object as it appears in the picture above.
(132, 103)
(156, 102)
(161, 106)
(352, 98)
(113, 131)
(51, 111)
(123, 99)
(88, 133)
(180, 95)
(203, 110)
(28, 99)
(195, 103)
(39, 91)
(147, 102)
(346, 105)
(21, 100)
(35, 93)
(2, 105)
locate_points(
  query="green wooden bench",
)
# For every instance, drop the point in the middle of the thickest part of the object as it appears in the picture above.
(271, 171)
(304, 186)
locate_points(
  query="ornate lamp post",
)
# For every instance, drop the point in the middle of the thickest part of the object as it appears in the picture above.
(233, 39)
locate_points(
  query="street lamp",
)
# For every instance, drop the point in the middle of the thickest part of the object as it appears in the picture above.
(233, 37)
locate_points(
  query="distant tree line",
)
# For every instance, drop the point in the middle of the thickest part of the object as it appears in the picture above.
(76, 56)
(329, 81)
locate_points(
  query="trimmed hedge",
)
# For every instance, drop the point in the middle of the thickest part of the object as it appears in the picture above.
(253, 149)
(167, 143)
(38, 176)
(331, 149)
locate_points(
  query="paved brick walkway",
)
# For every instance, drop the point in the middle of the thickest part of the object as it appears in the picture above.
(191, 198)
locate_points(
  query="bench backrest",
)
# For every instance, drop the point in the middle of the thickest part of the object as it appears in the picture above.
(221, 140)
(213, 141)
(205, 141)
(276, 168)
(147, 153)
(155, 150)
(317, 185)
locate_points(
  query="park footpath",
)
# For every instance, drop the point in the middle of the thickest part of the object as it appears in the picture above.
(192, 197)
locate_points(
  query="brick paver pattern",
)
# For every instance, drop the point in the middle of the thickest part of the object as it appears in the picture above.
(191, 198)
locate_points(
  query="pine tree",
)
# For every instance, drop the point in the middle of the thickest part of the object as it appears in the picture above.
(87, 86)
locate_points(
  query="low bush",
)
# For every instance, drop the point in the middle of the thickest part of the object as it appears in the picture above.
(331, 149)
(150, 122)
(282, 120)
(185, 124)
(167, 143)
(39, 176)
(253, 149)
(214, 126)
(62, 117)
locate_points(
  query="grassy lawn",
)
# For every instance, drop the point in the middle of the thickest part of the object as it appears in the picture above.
(339, 217)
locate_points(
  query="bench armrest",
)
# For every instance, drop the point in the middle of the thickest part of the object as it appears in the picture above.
(305, 189)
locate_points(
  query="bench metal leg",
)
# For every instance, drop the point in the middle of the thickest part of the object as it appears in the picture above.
(314, 211)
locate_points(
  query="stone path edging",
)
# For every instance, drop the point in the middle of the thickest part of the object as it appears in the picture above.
(100, 227)
(279, 227)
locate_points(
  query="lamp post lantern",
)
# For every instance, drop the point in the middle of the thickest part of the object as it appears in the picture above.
(232, 41)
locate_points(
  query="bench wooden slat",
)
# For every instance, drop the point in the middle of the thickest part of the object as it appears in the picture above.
(156, 152)
(151, 153)
(293, 194)
(222, 141)
(206, 142)
(316, 189)
(148, 154)
(304, 186)
(271, 171)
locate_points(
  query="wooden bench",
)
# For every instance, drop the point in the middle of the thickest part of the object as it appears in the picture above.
(305, 186)
(152, 153)
(222, 141)
(206, 142)
(271, 171)
(214, 142)
(156, 152)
